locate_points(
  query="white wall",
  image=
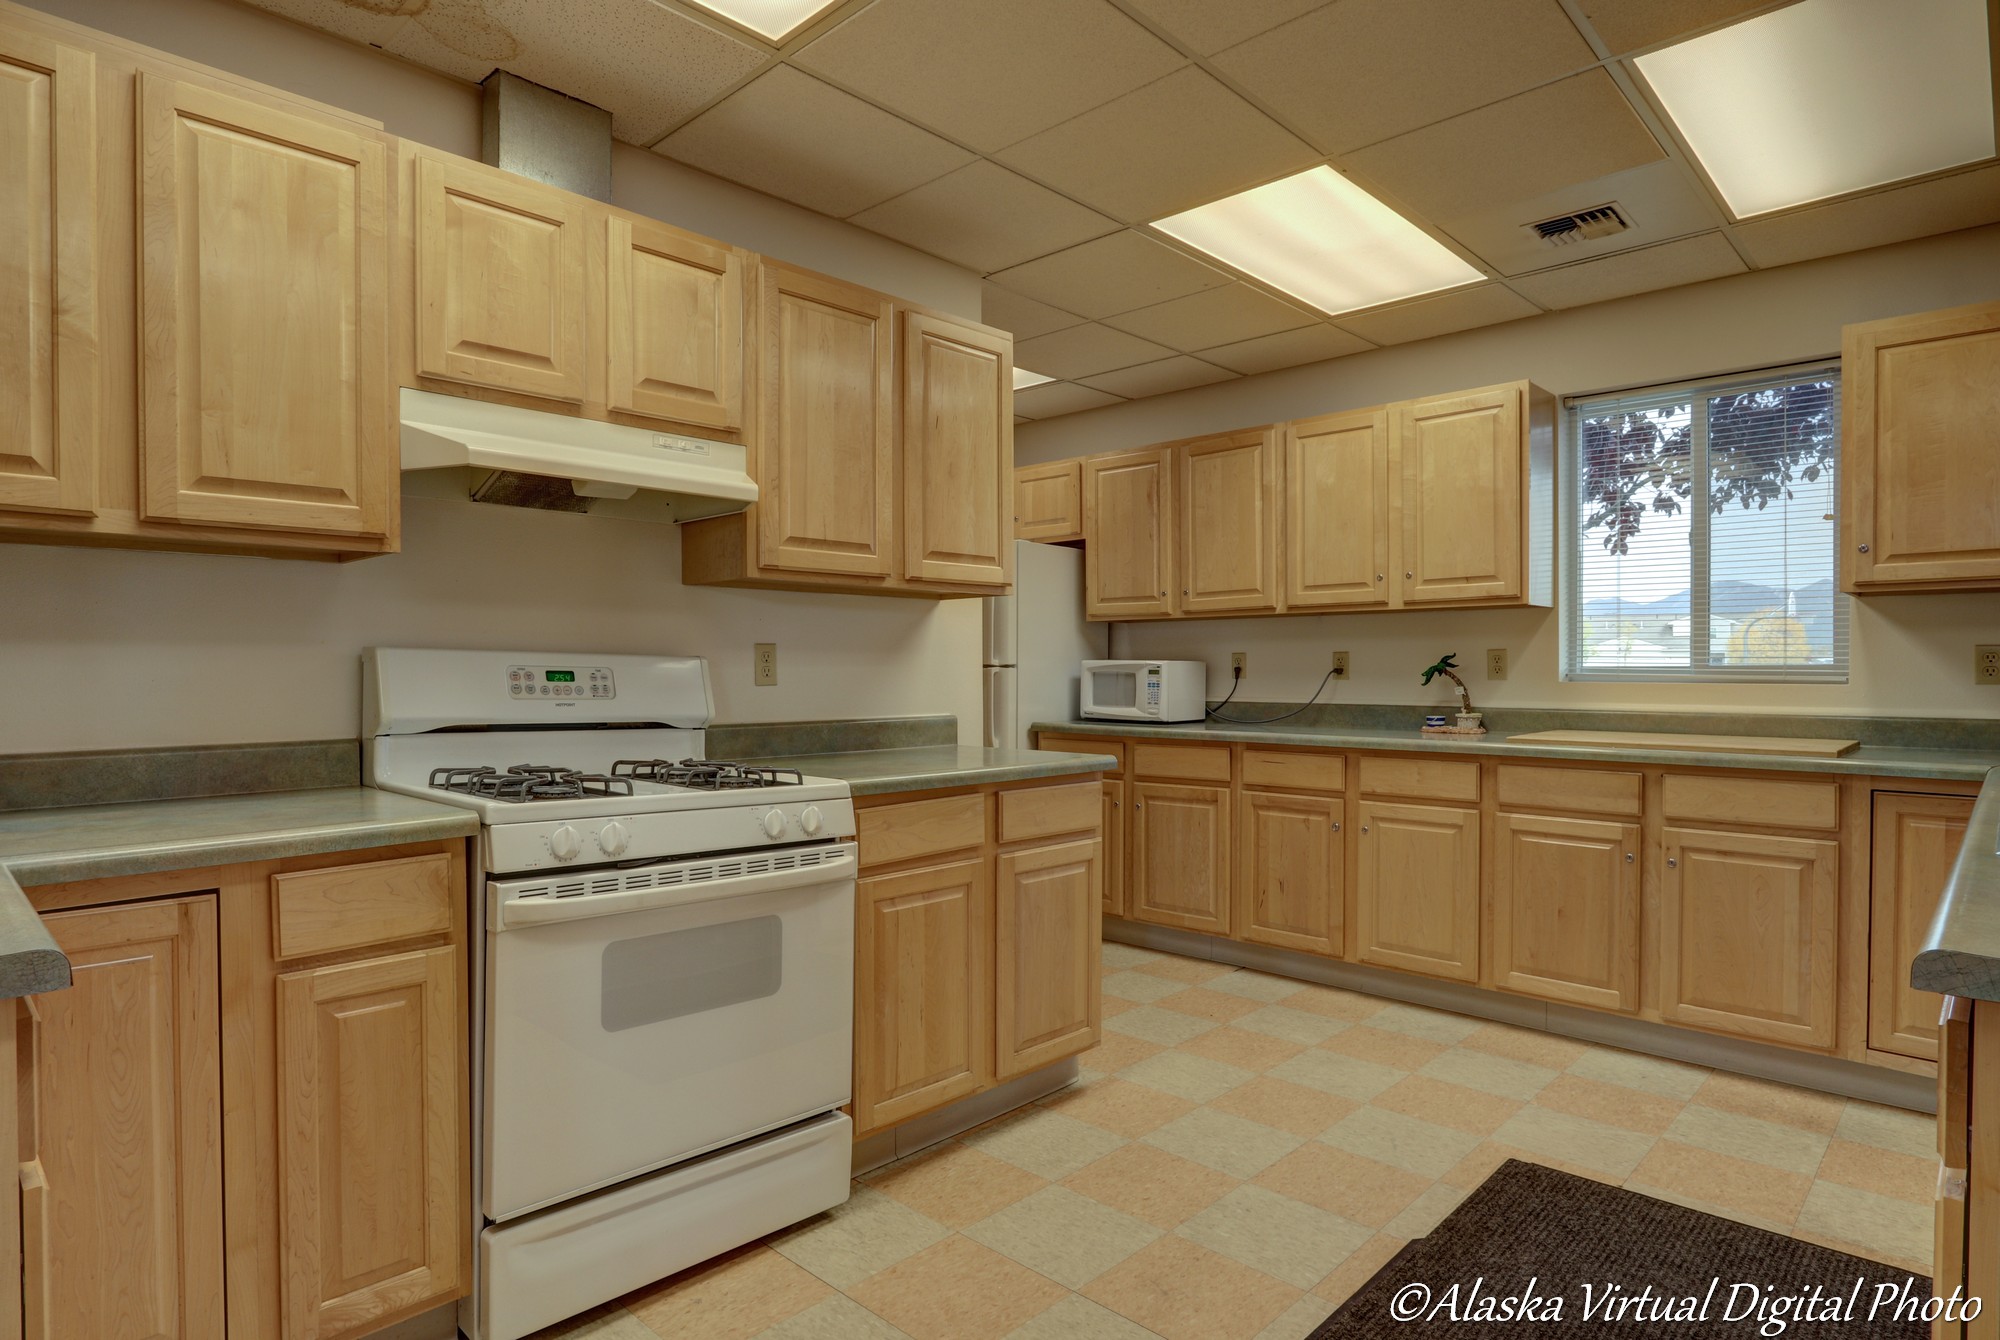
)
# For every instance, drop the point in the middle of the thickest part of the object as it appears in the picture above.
(1912, 655)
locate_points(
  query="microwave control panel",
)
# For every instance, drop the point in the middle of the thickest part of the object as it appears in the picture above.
(561, 681)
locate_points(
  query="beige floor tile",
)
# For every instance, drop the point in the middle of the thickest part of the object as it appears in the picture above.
(1473, 1111)
(1400, 1141)
(1118, 957)
(1226, 1143)
(1493, 1074)
(610, 1322)
(1189, 970)
(1544, 1131)
(1142, 988)
(1418, 1022)
(1112, 1005)
(1334, 1003)
(1254, 985)
(1398, 1051)
(1166, 1028)
(1482, 1162)
(1330, 1072)
(957, 1290)
(835, 1318)
(1889, 1128)
(1767, 1194)
(1649, 1074)
(1286, 1239)
(1612, 1104)
(954, 1184)
(1357, 1189)
(1298, 1320)
(1426, 1212)
(1789, 1147)
(1114, 1051)
(1118, 1105)
(1186, 1075)
(1183, 1291)
(1165, 1190)
(1886, 1172)
(1526, 1044)
(1347, 1277)
(1068, 1237)
(1045, 1143)
(1285, 1105)
(1889, 1230)
(1255, 1052)
(1077, 1318)
(869, 1232)
(1300, 1026)
(734, 1296)
(1716, 1208)
(1220, 1006)
(1768, 1101)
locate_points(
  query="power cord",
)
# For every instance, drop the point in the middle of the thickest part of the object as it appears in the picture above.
(1237, 680)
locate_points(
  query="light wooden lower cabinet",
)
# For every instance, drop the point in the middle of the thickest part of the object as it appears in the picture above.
(1180, 856)
(1565, 895)
(1916, 839)
(1113, 834)
(1045, 954)
(1291, 871)
(1416, 902)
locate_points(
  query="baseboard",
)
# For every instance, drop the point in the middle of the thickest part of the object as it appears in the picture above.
(898, 1142)
(1829, 1074)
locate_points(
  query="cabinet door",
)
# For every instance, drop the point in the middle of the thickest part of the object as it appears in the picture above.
(500, 280)
(1417, 901)
(371, 1095)
(127, 1186)
(1291, 876)
(1747, 935)
(1920, 397)
(1337, 511)
(1916, 840)
(1459, 495)
(1048, 501)
(1113, 828)
(263, 306)
(1045, 954)
(958, 452)
(48, 288)
(1228, 491)
(1127, 552)
(825, 454)
(1180, 856)
(673, 324)
(923, 1031)
(1566, 910)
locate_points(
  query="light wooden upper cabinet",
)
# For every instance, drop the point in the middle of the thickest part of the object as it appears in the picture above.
(958, 452)
(673, 324)
(1920, 401)
(1045, 954)
(1291, 872)
(1459, 496)
(501, 279)
(263, 292)
(1048, 501)
(1916, 841)
(49, 436)
(1416, 903)
(1566, 910)
(1128, 535)
(1228, 495)
(1336, 481)
(1180, 856)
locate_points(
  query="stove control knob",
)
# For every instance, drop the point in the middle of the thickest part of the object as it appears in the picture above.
(774, 824)
(614, 838)
(809, 820)
(564, 843)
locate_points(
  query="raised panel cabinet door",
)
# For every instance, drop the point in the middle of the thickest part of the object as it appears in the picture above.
(825, 456)
(923, 1032)
(1045, 954)
(1128, 535)
(127, 1183)
(1336, 474)
(263, 310)
(372, 1113)
(1920, 401)
(1747, 935)
(1416, 902)
(1566, 910)
(501, 276)
(1459, 494)
(1113, 827)
(1048, 501)
(1180, 856)
(48, 276)
(1916, 841)
(1228, 493)
(1291, 878)
(673, 324)
(958, 452)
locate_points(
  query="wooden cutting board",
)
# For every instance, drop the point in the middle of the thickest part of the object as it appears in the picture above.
(1707, 744)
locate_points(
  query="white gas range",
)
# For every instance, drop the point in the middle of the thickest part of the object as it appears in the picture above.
(662, 995)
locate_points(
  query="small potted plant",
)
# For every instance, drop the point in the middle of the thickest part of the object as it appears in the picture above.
(1447, 666)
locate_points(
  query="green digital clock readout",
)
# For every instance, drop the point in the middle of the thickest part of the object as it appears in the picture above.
(560, 676)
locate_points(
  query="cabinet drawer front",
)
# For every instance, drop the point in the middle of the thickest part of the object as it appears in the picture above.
(893, 833)
(1533, 788)
(1084, 744)
(1428, 778)
(1752, 800)
(1294, 772)
(1045, 811)
(347, 906)
(1187, 762)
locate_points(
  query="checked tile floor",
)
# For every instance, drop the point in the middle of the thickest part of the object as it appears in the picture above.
(1243, 1151)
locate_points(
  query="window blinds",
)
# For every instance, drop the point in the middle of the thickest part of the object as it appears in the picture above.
(1702, 535)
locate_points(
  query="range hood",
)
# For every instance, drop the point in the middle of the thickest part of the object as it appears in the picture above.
(532, 458)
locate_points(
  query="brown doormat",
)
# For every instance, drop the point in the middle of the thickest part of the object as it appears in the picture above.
(1534, 1247)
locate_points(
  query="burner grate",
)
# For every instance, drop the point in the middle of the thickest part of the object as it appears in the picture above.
(529, 781)
(705, 774)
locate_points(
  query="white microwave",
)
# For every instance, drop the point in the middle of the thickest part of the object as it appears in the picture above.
(1144, 690)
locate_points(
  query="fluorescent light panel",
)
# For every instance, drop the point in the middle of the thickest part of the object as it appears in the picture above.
(773, 20)
(1023, 379)
(1830, 96)
(1322, 239)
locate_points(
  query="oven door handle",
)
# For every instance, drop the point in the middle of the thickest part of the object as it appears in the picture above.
(516, 912)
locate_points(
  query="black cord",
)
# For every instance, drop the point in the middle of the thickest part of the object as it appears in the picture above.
(1265, 721)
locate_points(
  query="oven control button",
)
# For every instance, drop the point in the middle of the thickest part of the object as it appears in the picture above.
(564, 844)
(774, 824)
(809, 820)
(614, 838)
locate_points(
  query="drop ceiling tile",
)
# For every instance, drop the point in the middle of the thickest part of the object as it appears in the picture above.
(1057, 398)
(1112, 274)
(357, 23)
(1169, 374)
(1024, 318)
(1084, 351)
(1205, 27)
(1287, 349)
(985, 218)
(1627, 25)
(1178, 142)
(1660, 200)
(1941, 205)
(1464, 309)
(989, 72)
(1359, 71)
(1551, 137)
(1669, 265)
(790, 135)
(1218, 316)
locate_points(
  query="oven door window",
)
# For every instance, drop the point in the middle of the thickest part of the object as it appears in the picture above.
(652, 978)
(1114, 688)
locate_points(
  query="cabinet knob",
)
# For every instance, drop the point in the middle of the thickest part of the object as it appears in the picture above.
(1364, 830)
(1864, 548)
(1672, 863)
(1408, 575)
(1138, 804)
(1163, 595)
(1336, 825)
(1378, 576)
(1628, 858)
(1184, 590)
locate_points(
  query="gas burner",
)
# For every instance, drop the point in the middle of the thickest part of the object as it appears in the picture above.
(704, 774)
(529, 781)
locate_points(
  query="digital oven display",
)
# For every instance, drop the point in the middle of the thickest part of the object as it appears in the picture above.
(560, 676)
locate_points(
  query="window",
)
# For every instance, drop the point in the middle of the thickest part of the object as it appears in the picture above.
(1702, 531)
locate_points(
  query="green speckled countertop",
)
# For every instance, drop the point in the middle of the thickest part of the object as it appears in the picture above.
(870, 772)
(1961, 955)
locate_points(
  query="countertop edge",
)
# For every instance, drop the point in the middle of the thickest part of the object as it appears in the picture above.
(1961, 951)
(30, 962)
(1074, 765)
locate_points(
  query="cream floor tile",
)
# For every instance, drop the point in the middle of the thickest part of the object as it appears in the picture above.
(1789, 1147)
(1077, 1318)
(1402, 1142)
(600, 1323)
(1118, 1105)
(1736, 1188)
(954, 1184)
(957, 1290)
(1118, 956)
(1330, 1072)
(1398, 1051)
(1188, 970)
(1890, 1230)
(1886, 1172)
(835, 1318)
(1112, 1005)
(1890, 1128)
(1716, 1208)
(1426, 1212)
(1612, 1104)
(1334, 1003)
(1141, 987)
(1482, 1162)
(1255, 986)
(1070, 1238)
(852, 1241)
(1474, 1111)
(1286, 1239)
(1226, 1143)
(1114, 1051)
(732, 1297)
(1162, 1189)
(1357, 1189)
(1285, 1105)
(1418, 1022)
(1650, 1074)
(1255, 1052)
(1299, 1319)
(1300, 1026)
(1045, 1143)
(1358, 1269)
(1185, 1075)
(1183, 1291)
(1526, 1044)
(1559, 1135)
(1494, 1074)
(1771, 1101)
(1165, 1028)
(1203, 1003)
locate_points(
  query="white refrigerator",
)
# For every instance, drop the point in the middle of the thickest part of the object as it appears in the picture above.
(1036, 644)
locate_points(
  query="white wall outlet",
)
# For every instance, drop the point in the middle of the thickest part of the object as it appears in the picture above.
(1238, 663)
(766, 664)
(1986, 665)
(1496, 663)
(1339, 665)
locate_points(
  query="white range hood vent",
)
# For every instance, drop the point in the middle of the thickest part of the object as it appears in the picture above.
(531, 458)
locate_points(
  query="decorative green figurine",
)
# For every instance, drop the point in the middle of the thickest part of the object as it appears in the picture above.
(1445, 667)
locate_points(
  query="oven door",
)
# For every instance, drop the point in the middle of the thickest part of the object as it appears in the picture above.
(634, 1018)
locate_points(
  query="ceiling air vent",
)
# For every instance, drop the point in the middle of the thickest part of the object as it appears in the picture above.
(1582, 226)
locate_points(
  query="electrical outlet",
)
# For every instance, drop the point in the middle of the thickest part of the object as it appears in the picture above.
(1986, 665)
(1340, 665)
(767, 663)
(1496, 663)
(1238, 662)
